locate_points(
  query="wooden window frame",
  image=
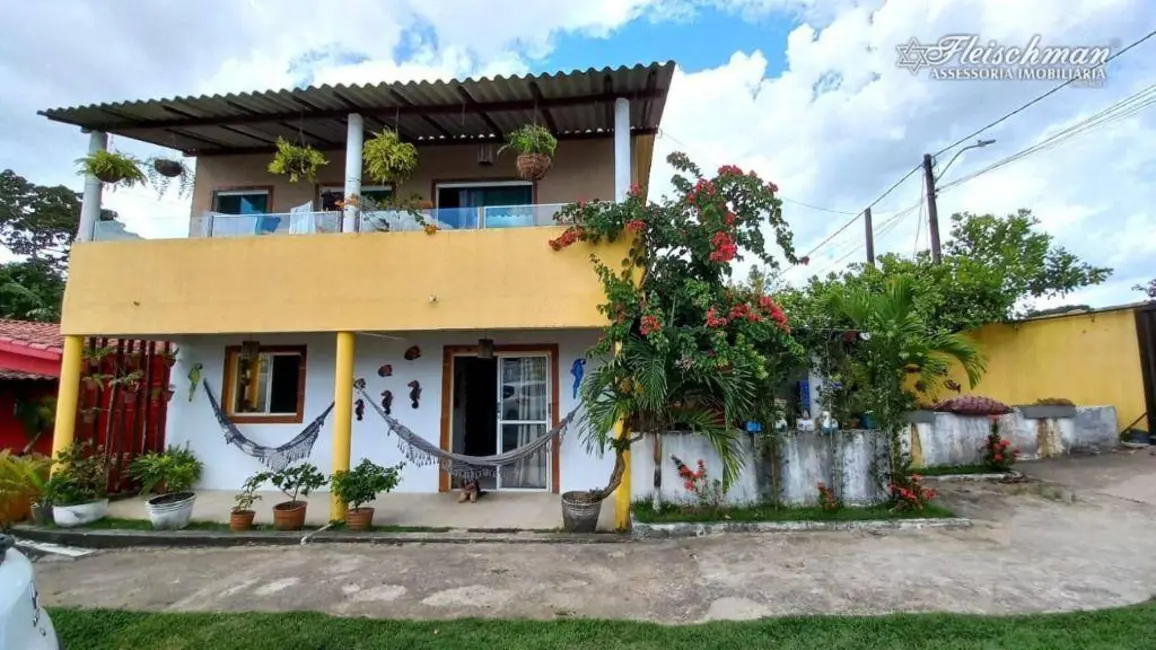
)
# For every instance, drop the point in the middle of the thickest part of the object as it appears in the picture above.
(451, 351)
(232, 354)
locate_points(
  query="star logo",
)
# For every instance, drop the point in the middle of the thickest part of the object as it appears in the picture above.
(912, 55)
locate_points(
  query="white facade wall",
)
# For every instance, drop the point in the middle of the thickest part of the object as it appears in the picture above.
(226, 467)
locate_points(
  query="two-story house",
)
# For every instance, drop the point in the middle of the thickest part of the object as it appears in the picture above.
(279, 297)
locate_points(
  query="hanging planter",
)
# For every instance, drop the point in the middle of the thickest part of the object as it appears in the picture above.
(88, 416)
(162, 171)
(387, 159)
(535, 146)
(296, 161)
(113, 168)
(169, 357)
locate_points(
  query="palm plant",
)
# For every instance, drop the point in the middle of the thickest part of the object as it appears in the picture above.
(900, 344)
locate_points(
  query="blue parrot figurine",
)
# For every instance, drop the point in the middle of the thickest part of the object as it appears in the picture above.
(194, 379)
(576, 369)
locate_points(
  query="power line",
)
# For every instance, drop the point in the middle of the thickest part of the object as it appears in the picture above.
(1038, 99)
(1120, 110)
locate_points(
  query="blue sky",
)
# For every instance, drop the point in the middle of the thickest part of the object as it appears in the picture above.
(706, 41)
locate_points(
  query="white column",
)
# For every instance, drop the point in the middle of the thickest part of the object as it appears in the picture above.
(354, 139)
(621, 148)
(93, 188)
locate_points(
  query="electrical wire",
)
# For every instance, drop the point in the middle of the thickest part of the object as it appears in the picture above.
(1051, 92)
(1120, 110)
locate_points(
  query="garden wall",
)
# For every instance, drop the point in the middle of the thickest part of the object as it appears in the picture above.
(958, 439)
(851, 462)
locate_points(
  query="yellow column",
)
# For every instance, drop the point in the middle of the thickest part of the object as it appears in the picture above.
(68, 394)
(622, 495)
(342, 415)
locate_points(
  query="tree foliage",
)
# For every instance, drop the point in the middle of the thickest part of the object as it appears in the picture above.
(31, 290)
(992, 270)
(37, 221)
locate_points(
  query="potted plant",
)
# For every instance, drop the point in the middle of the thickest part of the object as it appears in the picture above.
(170, 474)
(94, 382)
(161, 172)
(130, 383)
(169, 357)
(361, 485)
(294, 481)
(78, 489)
(242, 514)
(535, 146)
(296, 161)
(23, 480)
(94, 356)
(113, 168)
(388, 159)
(88, 415)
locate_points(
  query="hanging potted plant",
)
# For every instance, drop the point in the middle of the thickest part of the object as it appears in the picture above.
(361, 485)
(130, 383)
(167, 392)
(94, 382)
(169, 357)
(296, 161)
(535, 146)
(88, 415)
(94, 356)
(162, 171)
(113, 168)
(388, 159)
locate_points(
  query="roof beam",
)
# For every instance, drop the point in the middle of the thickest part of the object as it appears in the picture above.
(260, 137)
(539, 99)
(608, 91)
(433, 142)
(476, 108)
(428, 120)
(651, 84)
(473, 103)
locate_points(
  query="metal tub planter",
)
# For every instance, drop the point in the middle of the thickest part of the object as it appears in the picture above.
(171, 511)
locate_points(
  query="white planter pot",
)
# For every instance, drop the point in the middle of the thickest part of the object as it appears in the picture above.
(171, 511)
(85, 513)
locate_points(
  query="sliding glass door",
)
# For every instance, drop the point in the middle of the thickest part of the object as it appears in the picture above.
(524, 415)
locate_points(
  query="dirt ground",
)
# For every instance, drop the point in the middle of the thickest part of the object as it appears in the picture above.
(1082, 536)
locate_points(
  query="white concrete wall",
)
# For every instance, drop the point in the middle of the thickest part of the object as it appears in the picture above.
(959, 439)
(690, 449)
(226, 467)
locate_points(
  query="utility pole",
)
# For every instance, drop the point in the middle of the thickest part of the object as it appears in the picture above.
(870, 236)
(932, 209)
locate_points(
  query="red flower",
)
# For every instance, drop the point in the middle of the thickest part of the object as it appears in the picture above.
(729, 218)
(772, 187)
(636, 225)
(713, 320)
(804, 260)
(724, 247)
(635, 190)
(556, 244)
(998, 457)
(729, 170)
(650, 325)
(740, 311)
(581, 204)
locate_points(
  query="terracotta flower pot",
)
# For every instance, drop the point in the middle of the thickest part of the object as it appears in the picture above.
(240, 520)
(289, 515)
(359, 519)
(533, 166)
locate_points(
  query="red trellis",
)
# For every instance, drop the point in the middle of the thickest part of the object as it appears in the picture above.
(124, 422)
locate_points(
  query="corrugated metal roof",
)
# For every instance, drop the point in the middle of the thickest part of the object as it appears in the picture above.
(573, 104)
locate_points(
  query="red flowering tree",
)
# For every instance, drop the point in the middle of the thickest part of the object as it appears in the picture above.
(683, 350)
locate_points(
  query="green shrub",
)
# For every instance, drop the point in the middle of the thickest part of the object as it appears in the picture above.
(363, 483)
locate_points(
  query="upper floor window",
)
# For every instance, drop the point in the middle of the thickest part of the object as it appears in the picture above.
(269, 388)
(372, 197)
(243, 201)
(490, 204)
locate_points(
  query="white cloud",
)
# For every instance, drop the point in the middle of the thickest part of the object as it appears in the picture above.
(839, 126)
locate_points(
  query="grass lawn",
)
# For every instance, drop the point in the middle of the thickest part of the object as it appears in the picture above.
(955, 469)
(670, 513)
(112, 523)
(1117, 629)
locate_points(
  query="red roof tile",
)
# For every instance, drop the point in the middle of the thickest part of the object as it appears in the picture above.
(6, 374)
(40, 336)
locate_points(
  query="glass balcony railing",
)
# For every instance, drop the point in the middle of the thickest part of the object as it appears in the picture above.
(212, 224)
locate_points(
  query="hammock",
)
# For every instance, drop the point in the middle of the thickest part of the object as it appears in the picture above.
(275, 458)
(423, 452)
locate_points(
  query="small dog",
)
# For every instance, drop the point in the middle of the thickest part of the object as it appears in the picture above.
(470, 490)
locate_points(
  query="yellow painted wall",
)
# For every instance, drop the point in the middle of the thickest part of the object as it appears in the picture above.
(1091, 359)
(483, 279)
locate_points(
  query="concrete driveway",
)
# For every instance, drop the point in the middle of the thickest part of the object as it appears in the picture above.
(1085, 537)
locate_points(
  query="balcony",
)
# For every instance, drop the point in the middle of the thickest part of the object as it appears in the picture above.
(488, 268)
(215, 225)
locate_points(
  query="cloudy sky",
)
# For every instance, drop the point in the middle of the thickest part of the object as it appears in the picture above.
(806, 92)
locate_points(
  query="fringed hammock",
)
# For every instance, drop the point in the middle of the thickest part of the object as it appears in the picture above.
(275, 458)
(424, 453)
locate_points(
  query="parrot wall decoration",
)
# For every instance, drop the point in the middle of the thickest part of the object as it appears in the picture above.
(577, 369)
(194, 378)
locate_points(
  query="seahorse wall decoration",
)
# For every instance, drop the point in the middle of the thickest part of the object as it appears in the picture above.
(387, 402)
(359, 409)
(414, 392)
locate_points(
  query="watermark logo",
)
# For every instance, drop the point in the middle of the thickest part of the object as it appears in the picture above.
(964, 57)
